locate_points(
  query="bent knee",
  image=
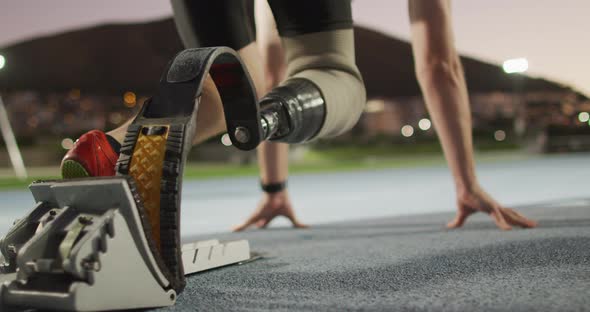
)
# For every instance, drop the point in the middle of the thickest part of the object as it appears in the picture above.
(328, 60)
(345, 99)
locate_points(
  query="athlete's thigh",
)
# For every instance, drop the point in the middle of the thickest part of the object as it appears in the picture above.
(308, 16)
(209, 23)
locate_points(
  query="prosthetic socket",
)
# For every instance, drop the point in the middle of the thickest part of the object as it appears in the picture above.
(324, 95)
(293, 112)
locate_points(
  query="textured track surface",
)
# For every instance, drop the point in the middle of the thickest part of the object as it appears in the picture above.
(409, 263)
(395, 263)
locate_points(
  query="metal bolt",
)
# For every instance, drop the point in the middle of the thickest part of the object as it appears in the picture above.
(242, 134)
(11, 249)
(91, 265)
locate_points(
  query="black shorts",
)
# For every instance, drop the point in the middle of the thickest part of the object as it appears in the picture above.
(231, 22)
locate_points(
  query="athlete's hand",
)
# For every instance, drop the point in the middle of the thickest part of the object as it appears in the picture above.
(271, 206)
(478, 200)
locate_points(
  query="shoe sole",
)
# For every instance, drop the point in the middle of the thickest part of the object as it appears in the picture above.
(157, 144)
(71, 169)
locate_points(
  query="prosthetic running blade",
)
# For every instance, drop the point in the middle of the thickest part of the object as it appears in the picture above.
(159, 139)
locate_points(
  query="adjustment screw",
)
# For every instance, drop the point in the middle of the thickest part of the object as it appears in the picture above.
(242, 135)
(91, 265)
(12, 250)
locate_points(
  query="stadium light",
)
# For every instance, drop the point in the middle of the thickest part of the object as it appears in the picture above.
(517, 65)
(2, 61)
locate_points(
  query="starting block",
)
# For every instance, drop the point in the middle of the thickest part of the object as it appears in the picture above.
(112, 243)
(83, 248)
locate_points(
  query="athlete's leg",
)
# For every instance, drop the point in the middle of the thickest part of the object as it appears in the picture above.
(218, 23)
(214, 23)
(324, 87)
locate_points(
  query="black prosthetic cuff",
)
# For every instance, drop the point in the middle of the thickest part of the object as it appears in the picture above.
(303, 110)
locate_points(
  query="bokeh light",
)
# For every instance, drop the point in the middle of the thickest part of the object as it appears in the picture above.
(2, 61)
(568, 109)
(69, 118)
(67, 143)
(424, 124)
(86, 105)
(374, 106)
(115, 118)
(130, 99)
(407, 131)
(225, 140)
(583, 116)
(33, 122)
(74, 94)
(500, 135)
(517, 65)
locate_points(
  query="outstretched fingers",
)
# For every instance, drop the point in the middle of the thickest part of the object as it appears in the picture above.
(516, 219)
(267, 212)
(460, 218)
(251, 221)
(263, 222)
(498, 216)
(296, 223)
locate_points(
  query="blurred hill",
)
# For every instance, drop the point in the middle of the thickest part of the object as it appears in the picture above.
(111, 59)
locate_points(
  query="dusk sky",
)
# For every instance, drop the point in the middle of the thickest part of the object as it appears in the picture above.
(551, 34)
